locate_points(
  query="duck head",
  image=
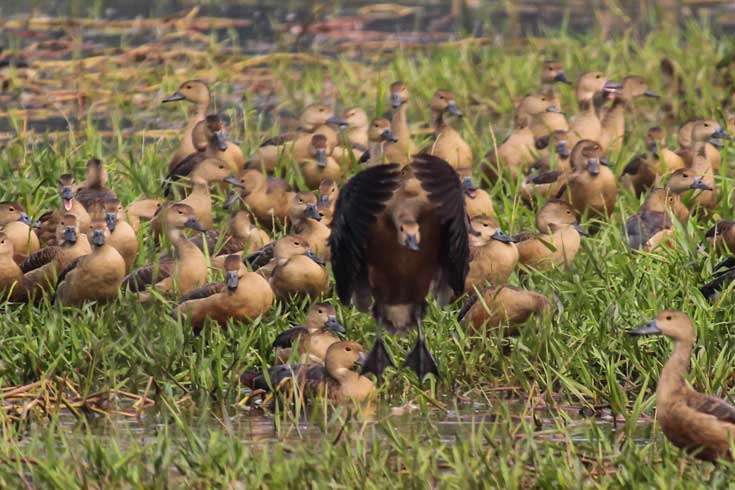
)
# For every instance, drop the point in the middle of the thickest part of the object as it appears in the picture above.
(443, 101)
(12, 211)
(328, 192)
(67, 187)
(195, 91)
(674, 324)
(398, 94)
(553, 72)
(380, 131)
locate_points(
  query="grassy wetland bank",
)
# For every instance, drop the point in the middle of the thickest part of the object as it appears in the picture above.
(124, 395)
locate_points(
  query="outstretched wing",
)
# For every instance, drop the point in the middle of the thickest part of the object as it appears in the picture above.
(360, 202)
(442, 184)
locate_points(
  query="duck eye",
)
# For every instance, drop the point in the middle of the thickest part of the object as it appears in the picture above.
(668, 317)
(181, 212)
(706, 125)
(597, 76)
(441, 97)
(348, 349)
(321, 215)
(12, 209)
(296, 243)
(321, 109)
(319, 311)
(221, 167)
(684, 175)
(401, 228)
(569, 212)
(485, 225)
(188, 87)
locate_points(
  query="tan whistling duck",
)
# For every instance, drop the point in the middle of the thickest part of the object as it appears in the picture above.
(121, 236)
(242, 296)
(391, 244)
(268, 198)
(177, 274)
(200, 199)
(557, 222)
(477, 201)
(354, 140)
(400, 151)
(93, 277)
(41, 268)
(142, 209)
(685, 182)
(656, 144)
(586, 124)
(493, 254)
(518, 151)
(686, 142)
(613, 123)
(67, 187)
(651, 225)
(328, 193)
(703, 425)
(379, 135)
(592, 187)
(505, 306)
(196, 92)
(298, 270)
(94, 187)
(306, 221)
(705, 132)
(320, 165)
(448, 143)
(646, 170)
(11, 276)
(313, 338)
(242, 236)
(16, 225)
(315, 119)
(336, 380)
(552, 72)
(548, 182)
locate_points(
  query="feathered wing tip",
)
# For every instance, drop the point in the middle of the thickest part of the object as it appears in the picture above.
(467, 306)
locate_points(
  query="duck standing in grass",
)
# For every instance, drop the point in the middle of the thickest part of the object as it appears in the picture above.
(196, 92)
(448, 143)
(11, 275)
(505, 306)
(701, 424)
(493, 254)
(70, 205)
(313, 338)
(400, 150)
(16, 225)
(396, 235)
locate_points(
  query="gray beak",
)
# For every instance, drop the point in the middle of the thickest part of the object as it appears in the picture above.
(25, 218)
(580, 230)
(362, 359)
(70, 235)
(500, 236)
(653, 147)
(194, 224)
(232, 180)
(310, 253)
(98, 237)
(649, 328)
(396, 101)
(412, 242)
(323, 200)
(611, 86)
(111, 220)
(321, 156)
(650, 93)
(176, 96)
(562, 149)
(337, 121)
(593, 166)
(232, 280)
(333, 325)
(721, 134)
(453, 109)
(67, 194)
(311, 212)
(562, 77)
(553, 108)
(604, 161)
(221, 140)
(388, 135)
(232, 197)
(698, 184)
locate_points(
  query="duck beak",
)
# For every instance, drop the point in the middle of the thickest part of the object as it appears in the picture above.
(194, 224)
(604, 161)
(500, 236)
(70, 235)
(453, 109)
(612, 87)
(395, 101)
(650, 93)
(231, 198)
(232, 280)
(562, 77)
(321, 157)
(24, 218)
(311, 212)
(412, 242)
(221, 140)
(361, 360)
(176, 96)
(562, 149)
(721, 134)
(649, 328)
(98, 237)
(593, 166)
(323, 200)
(698, 184)
(340, 122)
(653, 147)
(580, 230)
(310, 253)
(554, 109)
(388, 135)
(111, 220)
(469, 186)
(333, 325)
(232, 180)
(67, 194)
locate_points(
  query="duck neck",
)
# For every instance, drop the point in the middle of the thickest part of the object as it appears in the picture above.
(399, 122)
(673, 375)
(437, 120)
(586, 106)
(376, 149)
(199, 188)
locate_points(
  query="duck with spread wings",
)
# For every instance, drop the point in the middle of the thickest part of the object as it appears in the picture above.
(397, 234)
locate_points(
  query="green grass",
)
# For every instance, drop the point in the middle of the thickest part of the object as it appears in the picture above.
(579, 356)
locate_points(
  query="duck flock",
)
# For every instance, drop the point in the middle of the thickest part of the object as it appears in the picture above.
(398, 225)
